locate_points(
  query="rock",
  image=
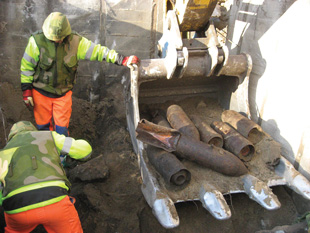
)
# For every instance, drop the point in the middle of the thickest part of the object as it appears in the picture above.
(93, 170)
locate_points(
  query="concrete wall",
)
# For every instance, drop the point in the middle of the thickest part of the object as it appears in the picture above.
(275, 34)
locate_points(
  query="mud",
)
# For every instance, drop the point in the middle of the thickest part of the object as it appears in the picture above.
(107, 188)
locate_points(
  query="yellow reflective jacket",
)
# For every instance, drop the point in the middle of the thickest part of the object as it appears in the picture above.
(31, 173)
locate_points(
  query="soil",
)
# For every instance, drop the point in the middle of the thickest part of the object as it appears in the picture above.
(108, 187)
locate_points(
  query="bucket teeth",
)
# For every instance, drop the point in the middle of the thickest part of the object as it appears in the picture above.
(162, 206)
(166, 213)
(293, 179)
(259, 191)
(215, 203)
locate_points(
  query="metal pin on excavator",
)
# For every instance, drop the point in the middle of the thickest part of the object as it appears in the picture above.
(198, 68)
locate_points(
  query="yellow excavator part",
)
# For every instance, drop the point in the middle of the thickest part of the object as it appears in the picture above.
(193, 15)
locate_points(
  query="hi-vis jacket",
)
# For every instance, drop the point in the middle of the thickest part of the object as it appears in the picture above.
(31, 173)
(51, 67)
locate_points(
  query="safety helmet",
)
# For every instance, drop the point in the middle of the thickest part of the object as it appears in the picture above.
(56, 26)
(20, 127)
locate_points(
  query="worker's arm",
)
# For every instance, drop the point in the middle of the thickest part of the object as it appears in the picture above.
(28, 64)
(88, 50)
(76, 149)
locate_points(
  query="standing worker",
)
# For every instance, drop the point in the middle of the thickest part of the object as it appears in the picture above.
(49, 68)
(34, 185)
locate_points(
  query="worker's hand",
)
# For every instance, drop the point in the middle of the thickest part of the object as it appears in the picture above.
(27, 97)
(129, 61)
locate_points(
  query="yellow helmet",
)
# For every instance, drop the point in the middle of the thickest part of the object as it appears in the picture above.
(56, 26)
(21, 126)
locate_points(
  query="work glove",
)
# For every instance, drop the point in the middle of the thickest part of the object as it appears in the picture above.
(27, 97)
(129, 61)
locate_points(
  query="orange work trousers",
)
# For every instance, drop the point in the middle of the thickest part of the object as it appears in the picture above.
(60, 217)
(48, 110)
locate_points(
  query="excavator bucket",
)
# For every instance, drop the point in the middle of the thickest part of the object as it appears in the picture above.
(193, 92)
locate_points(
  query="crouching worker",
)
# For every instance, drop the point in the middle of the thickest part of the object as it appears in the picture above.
(34, 185)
